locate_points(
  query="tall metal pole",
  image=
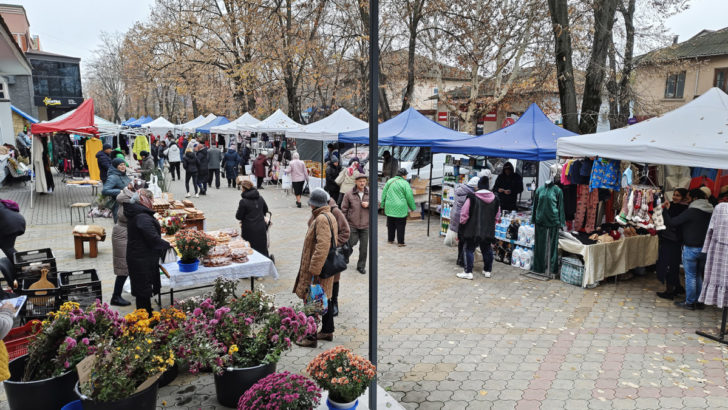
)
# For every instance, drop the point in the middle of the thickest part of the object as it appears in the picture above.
(373, 187)
(429, 195)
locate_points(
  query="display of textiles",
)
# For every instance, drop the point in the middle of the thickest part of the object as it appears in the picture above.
(642, 208)
(605, 174)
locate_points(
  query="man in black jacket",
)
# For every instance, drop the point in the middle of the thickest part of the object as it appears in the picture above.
(103, 158)
(244, 153)
(508, 186)
(203, 165)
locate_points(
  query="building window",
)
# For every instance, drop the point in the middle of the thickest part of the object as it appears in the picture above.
(721, 79)
(675, 85)
(454, 122)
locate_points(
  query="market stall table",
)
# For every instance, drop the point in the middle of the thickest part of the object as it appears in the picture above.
(94, 187)
(603, 260)
(258, 266)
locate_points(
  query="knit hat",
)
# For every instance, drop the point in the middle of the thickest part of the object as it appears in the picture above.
(707, 191)
(485, 173)
(318, 198)
(473, 182)
(105, 147)
(116, 161)
(484, 183)
(334, 158)
(144, 153)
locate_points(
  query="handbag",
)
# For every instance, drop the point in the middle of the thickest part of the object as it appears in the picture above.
(335, 260)
(316, 301)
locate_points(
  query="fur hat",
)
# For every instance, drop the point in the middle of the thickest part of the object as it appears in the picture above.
(473, 182)
(318, 198)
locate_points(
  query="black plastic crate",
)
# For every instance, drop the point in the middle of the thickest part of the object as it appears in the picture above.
(29, 263)
(40, 302)
(81, 286)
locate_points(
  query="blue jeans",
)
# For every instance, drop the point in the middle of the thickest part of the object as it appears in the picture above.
(693, 282)
(161, 163)
(485, 248)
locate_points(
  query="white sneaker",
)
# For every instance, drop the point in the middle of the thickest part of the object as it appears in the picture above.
(486, 274)
(465, 275)
(188, 195)
(197, 195)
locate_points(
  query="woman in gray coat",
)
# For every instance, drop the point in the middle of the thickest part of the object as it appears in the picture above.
(118, 248)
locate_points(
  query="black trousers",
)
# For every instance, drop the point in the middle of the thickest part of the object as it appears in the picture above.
(396, 225)
(174, 167)
(461, 250)
(213, 173)
(669, 256)
(259, 181)
(144, 303)
(327, 320)
(119, 285)
(190, 176)
(202, 181)
(242, 168)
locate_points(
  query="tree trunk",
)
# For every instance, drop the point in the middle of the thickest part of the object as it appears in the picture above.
(559, 10)
(603, 22)
(625, 85)
(415, 15)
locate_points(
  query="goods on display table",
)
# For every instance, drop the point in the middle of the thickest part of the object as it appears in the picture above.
(314, 169)
(514, 239)
(185, 209)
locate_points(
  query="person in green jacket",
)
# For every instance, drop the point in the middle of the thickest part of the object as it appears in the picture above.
(397, 201)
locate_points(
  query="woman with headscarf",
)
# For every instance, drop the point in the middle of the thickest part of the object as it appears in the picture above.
(299, 176)
(144, 248)
(508, 186)
(347, 178)
(118, 246)
(251, 214)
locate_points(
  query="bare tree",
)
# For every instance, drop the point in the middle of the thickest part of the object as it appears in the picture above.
(105, 74)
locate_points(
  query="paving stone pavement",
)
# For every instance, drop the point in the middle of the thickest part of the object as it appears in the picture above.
(445, 343)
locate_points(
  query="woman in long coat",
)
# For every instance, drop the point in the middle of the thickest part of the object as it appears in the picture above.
(251, 214)
(144, 247)
(118, 247)
(316, 247)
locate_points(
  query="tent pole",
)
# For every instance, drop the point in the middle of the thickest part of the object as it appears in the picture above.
(321, 175)
(429, 197)
(373, 187)
(32, 171)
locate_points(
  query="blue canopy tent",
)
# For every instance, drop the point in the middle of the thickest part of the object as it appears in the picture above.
(23, 114)
(408, 129)
(205, 129)
(143, 120)
(129, 121)
(531, 138)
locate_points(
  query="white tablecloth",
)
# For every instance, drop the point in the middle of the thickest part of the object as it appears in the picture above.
(258, 266)
(603, 260)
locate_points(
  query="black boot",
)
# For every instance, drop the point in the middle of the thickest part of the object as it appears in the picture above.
(116, 299)
(335, 299)
(144, 303)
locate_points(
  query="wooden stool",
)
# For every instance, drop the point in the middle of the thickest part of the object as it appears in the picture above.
(81, 207)
(80, 238)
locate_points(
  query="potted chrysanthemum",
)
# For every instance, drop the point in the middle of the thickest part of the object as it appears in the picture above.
(283, 391)
(241, 342)
(343, 374)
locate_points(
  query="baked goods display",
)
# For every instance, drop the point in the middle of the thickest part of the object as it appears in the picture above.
(219, 251)
(230, 231)
(217, 261)
(187, 203)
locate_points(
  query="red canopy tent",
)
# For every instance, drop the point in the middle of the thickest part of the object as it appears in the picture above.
(80, 121)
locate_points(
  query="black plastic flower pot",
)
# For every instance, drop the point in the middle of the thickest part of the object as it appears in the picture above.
(144, 400)
(46, 394)
(168, 376)
(233, 382)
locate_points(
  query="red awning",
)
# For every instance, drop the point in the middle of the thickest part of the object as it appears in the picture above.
(80, 121)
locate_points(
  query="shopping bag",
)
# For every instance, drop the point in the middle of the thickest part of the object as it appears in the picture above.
(153, 187)
(317, 302)
(451, 238)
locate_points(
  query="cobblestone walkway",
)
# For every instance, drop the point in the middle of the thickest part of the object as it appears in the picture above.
(445, 343)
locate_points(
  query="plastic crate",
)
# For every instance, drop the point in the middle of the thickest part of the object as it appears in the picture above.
(40, 302)
(29, 263)
(81, 286)
(572, 270)
(18, 339)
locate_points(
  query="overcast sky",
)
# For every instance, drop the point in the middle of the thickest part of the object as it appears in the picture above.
(72, 27)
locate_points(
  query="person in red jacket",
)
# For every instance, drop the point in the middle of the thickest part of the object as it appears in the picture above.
(259, 166)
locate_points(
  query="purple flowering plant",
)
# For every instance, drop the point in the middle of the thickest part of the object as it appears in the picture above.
(281, 391)
(247, 332)
(68, 336)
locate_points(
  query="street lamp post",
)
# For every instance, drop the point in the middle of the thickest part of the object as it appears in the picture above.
(373, 187)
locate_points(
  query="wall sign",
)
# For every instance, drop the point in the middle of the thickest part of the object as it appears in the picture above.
(442, 116)
(48, 101)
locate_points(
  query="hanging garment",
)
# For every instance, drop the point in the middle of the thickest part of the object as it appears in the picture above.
(715, 283)
(140, 144)
(586, 209)
(93, 146)
(41, 185)
(605, 174)
(570, 203)
(548, 216)
(673, 176)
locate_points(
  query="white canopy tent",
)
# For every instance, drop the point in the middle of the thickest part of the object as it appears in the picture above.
(694, 135)
(278, 122)
(192, 126)
(235, 126)
(160, 126)
(328, 129)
